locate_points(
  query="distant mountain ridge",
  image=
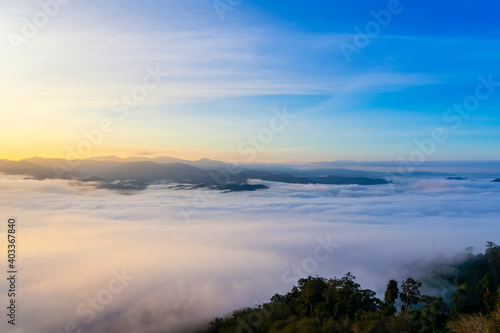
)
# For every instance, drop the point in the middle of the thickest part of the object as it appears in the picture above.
(129, 174)
(202, 163)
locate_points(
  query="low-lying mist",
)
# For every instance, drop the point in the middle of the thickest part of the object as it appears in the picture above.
(165, 260)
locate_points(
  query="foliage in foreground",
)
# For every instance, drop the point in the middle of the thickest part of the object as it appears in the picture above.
(319, 305)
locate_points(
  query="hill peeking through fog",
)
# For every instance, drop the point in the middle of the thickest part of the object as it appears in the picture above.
(195, 258)
(132, 174)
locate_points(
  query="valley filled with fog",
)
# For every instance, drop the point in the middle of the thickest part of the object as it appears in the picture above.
(159, 258)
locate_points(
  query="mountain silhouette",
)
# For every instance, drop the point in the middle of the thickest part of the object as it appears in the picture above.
(116, 173)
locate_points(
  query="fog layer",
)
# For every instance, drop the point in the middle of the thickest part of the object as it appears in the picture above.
(161, 260)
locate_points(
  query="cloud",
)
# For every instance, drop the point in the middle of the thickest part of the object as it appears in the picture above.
(474, 168)
(234, 252)
(143, 153)
(86, 57)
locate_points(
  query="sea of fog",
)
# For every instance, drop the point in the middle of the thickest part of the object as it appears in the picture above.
(161, 260)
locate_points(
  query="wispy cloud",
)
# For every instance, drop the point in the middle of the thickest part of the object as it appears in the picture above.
(91, 52)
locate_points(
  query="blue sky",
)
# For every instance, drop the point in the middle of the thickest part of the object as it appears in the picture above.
(228, 72)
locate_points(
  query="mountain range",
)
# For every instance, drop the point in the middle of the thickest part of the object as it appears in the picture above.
(137, 173)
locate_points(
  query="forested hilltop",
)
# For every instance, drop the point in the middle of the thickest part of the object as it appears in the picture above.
(319, 305)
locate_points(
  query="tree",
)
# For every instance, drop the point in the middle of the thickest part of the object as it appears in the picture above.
(311, 295)
(464, 300)
(498, 299)
(492, 255)
(410, 295)
(390, 297)
(431, 317)
(490, 245)
(469, 249)
(217, 324)
(486, 290)
(341, 305)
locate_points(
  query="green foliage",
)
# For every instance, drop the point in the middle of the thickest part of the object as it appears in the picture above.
(318, 305)
(465, 300)
(479, 278)
(497, 297)
(311, 296)
(345, 298)
(431, 317)
(410, 294)
(486, 291)
(391, 295)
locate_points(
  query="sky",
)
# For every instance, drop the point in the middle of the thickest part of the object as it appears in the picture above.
(360, 80)
(238, 250)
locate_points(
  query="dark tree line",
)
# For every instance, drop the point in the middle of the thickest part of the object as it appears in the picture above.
(318, 305)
